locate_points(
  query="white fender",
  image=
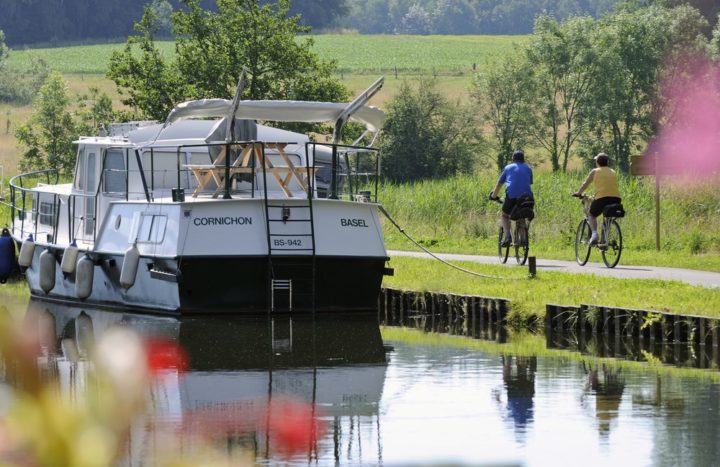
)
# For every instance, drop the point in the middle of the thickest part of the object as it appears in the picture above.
(69, 259)
(84, 277)
(84, 334)
(129, 267)
(26, 252)
(47, 271)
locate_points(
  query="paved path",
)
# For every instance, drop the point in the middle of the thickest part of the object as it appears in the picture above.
(689, 276)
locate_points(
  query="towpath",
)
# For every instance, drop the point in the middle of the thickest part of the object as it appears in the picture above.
(689, 276)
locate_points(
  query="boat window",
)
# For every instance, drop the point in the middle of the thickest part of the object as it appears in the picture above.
(46, 213)
(80, 170)
(115, 175)
(90, 185)
(148, 228)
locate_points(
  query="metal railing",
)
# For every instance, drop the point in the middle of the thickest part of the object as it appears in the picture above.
(350, 168)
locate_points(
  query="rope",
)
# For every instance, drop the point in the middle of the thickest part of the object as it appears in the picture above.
(402, 231)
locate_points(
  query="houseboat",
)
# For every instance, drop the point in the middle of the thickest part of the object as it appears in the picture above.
(216, 209)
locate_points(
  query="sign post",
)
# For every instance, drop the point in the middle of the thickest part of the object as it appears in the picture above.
(651, 164)
(648, 165)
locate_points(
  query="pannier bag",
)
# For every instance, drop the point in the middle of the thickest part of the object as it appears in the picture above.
(614, 210)
(523, 209)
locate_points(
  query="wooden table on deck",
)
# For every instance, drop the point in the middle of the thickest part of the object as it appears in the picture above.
(244, 164)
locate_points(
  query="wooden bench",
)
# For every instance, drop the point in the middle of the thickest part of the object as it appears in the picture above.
(283, 175)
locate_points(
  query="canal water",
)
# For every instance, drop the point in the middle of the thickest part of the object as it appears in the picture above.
(380, 395)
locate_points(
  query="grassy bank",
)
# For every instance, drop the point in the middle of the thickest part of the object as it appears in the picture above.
(454, 215)
(529, 296)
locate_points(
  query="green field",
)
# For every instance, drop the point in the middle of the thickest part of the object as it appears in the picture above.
(444, 55)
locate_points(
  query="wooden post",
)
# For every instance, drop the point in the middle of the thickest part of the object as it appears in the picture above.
(650, 165)
(657, 207)
(532, 269)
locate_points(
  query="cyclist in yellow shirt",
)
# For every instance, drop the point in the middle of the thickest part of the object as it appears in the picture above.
(605, 185)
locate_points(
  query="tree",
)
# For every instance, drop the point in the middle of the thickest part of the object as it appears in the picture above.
(19, 87)
(153, 87)
(162, 9)
(504, 98)
(51, 130)
(319, 14)
(94, 110)
(3, 49)
(426, 137)
(564, 59)
(635, 49)
(213, 48)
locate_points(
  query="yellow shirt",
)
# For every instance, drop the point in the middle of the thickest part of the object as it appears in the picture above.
(605, 182)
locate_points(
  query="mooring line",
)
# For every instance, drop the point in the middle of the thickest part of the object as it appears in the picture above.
(402, 231)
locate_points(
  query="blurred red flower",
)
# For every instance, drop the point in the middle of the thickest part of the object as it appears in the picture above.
(163, 354)
(293, 426)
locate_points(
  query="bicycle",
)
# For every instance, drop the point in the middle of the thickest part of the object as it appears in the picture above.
(522, 214)
(610, 242)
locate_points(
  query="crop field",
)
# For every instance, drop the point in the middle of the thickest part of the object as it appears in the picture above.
(442, 55)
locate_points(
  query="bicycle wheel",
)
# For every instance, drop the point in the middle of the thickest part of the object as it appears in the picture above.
(582, 243)
(503, 251)
(521, 243)
(613, 247)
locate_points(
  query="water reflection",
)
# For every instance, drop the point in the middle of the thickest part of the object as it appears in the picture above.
(519, 381)
(433, 400)
(616, 345)
(237, 367)
(605, 385)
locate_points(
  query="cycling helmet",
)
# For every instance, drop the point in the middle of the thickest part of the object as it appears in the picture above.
(518, 156)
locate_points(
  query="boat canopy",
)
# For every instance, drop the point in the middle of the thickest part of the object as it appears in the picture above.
(277, 111)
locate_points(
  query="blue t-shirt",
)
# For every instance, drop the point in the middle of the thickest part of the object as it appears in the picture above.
(517, 178)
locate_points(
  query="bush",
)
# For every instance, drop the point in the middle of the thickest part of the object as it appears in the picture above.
(424, 136)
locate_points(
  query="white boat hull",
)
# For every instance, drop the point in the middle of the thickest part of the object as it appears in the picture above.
(214, 257)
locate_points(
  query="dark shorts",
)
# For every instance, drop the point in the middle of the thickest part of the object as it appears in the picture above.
(597, 206)
(509, 204)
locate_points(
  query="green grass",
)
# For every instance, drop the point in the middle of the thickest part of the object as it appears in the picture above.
(528, 297)
(385, 53)
(354, 53)
(454, 215)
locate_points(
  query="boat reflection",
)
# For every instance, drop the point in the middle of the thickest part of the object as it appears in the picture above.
(237, 366)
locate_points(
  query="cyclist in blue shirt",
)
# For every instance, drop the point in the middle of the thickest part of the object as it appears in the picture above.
(517, 178)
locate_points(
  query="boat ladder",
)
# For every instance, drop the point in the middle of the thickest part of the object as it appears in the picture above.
(291, 254)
